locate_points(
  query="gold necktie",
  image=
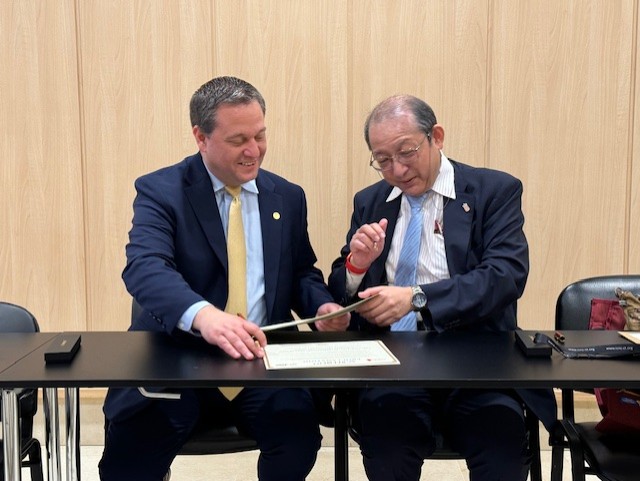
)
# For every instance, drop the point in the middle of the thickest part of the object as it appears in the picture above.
(237, 258)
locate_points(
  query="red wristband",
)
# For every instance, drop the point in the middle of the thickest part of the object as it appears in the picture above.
(353, 269)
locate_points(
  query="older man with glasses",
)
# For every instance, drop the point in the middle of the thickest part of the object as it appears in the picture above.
(442, 245)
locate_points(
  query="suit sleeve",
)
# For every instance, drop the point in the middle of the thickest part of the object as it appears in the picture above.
(151, 275)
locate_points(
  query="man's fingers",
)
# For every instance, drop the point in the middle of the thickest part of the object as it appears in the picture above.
(248, 343)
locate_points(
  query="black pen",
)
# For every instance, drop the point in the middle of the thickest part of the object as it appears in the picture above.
(559, 337)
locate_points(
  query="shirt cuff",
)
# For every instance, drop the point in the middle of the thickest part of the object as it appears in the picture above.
(353, 281)
(186, 320)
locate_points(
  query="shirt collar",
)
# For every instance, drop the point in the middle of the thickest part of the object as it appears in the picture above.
(218, 185)
(444, 184)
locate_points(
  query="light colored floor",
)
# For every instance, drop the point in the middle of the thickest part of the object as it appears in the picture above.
(242, 467)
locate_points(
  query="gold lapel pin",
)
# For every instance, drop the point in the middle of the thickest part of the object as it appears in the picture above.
(276, 215)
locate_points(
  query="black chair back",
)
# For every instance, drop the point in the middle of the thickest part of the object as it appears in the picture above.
(608, 457)
(573, 307)
(15, 318)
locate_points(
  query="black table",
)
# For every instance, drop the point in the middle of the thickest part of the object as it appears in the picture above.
(14, 347)
(461, 359)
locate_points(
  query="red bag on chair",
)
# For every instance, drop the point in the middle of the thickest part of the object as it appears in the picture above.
(620, 408)
(606, 314)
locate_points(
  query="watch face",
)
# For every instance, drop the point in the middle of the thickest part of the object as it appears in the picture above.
(419, 299)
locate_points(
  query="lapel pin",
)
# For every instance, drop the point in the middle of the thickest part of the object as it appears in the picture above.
(276, 215)
(466, 207)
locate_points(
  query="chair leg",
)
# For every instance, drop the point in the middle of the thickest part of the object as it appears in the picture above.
(557, 462)
(35, 462)
(534, 447)
(575, 448)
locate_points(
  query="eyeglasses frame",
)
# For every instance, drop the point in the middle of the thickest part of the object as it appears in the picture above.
(394, 158)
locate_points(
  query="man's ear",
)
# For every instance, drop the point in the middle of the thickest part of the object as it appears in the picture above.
(199, 135)
(437, 135)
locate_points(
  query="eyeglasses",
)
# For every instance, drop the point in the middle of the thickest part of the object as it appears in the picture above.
(384, 162)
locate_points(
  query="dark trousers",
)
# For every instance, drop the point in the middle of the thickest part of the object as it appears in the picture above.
(398, 430)
(284, 422)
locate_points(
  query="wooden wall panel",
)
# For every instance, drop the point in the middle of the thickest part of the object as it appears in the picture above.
(560, 106)
(433, 50)
(295, 53)
(41, 220)
(141, 61)
(633, 167)
(95, 93)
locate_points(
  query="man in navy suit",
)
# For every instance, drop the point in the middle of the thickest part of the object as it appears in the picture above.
(470, 267)
(177, 270)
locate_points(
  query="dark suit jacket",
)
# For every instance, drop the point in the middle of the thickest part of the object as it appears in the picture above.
(177, 254)
(487, 256)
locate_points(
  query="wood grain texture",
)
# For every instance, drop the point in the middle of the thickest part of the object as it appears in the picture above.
(42, 218)
(560, 104)
(141, 61)
(95, 93)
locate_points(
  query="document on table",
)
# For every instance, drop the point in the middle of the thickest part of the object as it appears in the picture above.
(305, 355)
(633, 336)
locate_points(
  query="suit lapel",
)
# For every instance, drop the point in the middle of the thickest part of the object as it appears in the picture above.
(458, 219)
(271, 220)
(199, 192)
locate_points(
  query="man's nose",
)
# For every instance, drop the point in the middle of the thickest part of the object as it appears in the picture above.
(398, 169)
(252, 149)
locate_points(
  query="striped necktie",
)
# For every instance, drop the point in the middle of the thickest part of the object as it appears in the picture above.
(408, 260)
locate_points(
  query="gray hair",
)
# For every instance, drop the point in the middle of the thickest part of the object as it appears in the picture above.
(398, 105)
(220, 91)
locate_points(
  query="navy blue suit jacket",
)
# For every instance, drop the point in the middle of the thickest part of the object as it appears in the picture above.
(177, 254)
(487, 257)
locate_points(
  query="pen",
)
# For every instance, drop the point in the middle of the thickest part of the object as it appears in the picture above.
(559, 337)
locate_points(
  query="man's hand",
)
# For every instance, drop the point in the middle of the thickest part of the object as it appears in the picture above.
(367, 243)
(337, 323)
(233, 334)
(391, 304)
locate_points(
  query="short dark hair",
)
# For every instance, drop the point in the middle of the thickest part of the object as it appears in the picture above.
(216, 92)
(399, 104)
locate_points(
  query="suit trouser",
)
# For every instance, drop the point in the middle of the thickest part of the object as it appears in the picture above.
(284, 422)
(398, 430)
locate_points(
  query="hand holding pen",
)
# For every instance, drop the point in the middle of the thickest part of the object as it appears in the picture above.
(233, 334)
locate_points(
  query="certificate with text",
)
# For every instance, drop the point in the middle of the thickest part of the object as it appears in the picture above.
(305, 355)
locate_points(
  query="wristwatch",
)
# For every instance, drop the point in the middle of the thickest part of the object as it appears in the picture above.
(418, 298)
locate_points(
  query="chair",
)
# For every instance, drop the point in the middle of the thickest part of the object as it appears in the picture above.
(609, 457)
(218, 438)
(444, 451)
(17, 319)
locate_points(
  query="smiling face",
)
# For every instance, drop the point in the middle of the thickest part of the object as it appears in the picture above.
(401, 133)
(234, 150)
